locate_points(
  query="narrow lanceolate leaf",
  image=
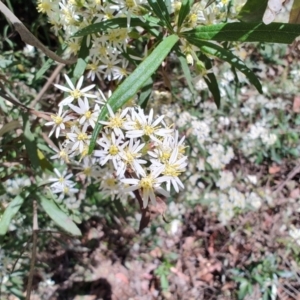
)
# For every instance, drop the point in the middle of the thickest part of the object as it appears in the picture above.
(295, 13)
(184, 11)
(10, 212)
(217, 51)
(246, 32)
(82, 57)
(253, 11)
(59, 217)
(145, 93)
(212, 83)
(113, 24)
(186, 71)
(161, 11)
(12, 125)
(47, 65)
(134, 82)
(211, 80)
(209, 2)
(30, 143)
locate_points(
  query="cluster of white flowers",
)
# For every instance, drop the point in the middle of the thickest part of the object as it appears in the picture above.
(135, 150)
(218, 158)
(295, 234)
(219, 138)
(229, 199)
(105, 59)
(106, 48)
(258, 131)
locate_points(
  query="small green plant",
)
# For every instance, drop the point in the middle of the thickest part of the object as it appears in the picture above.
(263, 273)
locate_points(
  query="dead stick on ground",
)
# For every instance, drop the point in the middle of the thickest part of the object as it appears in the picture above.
(35, 229)
(47, 84)
(295, 171)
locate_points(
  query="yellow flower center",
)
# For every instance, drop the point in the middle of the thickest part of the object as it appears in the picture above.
(92, 67)
(87, 171)
(64, 155)
(116, 121)
(165, 155)
(110, 182)
(82, 136)
(148, 130)
(57, 119)
(88, 114)
(130, 4)
(113, 150)
(76, 94)
(147, 182)
(43, 7)
(171, 170)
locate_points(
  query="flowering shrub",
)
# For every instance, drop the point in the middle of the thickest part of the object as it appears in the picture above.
(136, 143)
(136, 151)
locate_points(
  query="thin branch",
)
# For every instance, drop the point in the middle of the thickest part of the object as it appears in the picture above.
(47, 84)
(35, 229)
(42, 115)
(28, 38)
(290, 176)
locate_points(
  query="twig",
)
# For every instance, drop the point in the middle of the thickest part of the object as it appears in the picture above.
(42, 115)
(28, 38)
(295, 171)
(47, 84)
(35, 229)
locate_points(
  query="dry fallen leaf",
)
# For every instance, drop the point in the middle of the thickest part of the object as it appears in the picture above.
(274, 169)
(296, 104)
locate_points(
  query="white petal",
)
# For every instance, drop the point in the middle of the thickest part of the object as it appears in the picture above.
(70, 83)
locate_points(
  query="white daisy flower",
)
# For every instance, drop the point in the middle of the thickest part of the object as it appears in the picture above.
(115, 121)
(88, 117)
(112, 149)
(80, 140)
(144, 125)
(148, 185)
(62, 180)
(75, 92)
(173, 168)
(130, 157)
(58, 122)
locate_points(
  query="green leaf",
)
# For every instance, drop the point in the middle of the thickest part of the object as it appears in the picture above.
(44, 162)
(295, 13)
(169, 6)
(186, 71)
(243, 289)
(161, 11)
(213, 86)
(211, 80)
(113, 24)
(145, 93)
(184, 11)
(48, 64)
(10, 211)
(119, 206)
(134, 82)
(253, 11)
(217, 51)
(245, 32)
(30, 143)
(209, 2)
(164, 282)
(82, 56)
(59, 217)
